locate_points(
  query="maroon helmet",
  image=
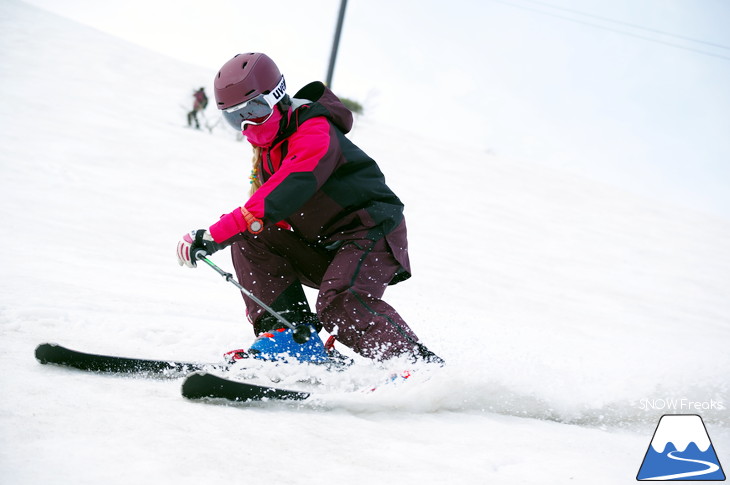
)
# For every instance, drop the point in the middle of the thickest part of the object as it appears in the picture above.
(244, 77)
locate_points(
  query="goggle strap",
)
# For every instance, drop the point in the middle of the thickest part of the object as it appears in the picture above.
(277, 94)
(271, 99)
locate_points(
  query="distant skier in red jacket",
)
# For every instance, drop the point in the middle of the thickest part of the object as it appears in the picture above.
(319, 214)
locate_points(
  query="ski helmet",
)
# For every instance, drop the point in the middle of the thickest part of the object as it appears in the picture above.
(244, 77)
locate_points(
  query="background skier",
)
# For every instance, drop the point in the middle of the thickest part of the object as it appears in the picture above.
(319, 214)
(200, 102)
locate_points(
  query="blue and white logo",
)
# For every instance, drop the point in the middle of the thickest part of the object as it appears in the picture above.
(681, 450)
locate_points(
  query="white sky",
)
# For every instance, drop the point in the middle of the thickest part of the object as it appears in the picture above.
(512, 77)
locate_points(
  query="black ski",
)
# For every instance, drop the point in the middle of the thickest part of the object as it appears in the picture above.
(59, 355)
(202, 385)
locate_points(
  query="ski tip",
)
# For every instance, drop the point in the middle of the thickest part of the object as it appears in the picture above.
(44, 351)
(195, 385)
(202, 385)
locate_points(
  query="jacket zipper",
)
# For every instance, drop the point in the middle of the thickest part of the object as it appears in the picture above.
(268, 161)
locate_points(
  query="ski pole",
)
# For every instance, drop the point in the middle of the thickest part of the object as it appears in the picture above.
(300, 333)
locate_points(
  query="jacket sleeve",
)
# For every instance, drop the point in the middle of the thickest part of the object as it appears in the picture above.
(312, 156)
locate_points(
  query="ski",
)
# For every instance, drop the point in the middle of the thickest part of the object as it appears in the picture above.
(48, 353)
(201, 385)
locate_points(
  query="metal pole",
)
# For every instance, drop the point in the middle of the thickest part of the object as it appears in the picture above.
(300, 332)
(336, 43)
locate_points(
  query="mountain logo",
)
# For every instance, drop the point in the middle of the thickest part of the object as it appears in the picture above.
(681, 450)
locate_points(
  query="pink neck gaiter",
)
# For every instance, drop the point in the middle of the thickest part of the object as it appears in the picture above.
(262, 135)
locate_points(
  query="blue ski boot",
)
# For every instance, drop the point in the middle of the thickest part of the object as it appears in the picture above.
(279, 345)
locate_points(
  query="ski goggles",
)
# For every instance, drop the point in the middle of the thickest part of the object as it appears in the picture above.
(256, 110)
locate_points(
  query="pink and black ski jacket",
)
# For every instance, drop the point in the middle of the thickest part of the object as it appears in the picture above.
(322, 185)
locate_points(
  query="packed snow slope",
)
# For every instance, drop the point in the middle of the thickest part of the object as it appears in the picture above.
(562, 306)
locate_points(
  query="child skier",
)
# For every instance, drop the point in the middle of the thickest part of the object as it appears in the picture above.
(319, 214)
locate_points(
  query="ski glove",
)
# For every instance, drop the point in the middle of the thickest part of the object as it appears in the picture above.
(192, 243)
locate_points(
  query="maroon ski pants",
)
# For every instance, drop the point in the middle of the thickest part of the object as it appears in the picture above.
(351, 280)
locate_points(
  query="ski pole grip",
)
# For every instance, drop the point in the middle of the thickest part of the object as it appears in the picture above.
(200, 254)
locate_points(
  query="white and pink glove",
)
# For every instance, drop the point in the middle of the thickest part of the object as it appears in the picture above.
(191, 243)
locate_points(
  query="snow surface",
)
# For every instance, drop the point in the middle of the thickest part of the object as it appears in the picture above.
(569, 312)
